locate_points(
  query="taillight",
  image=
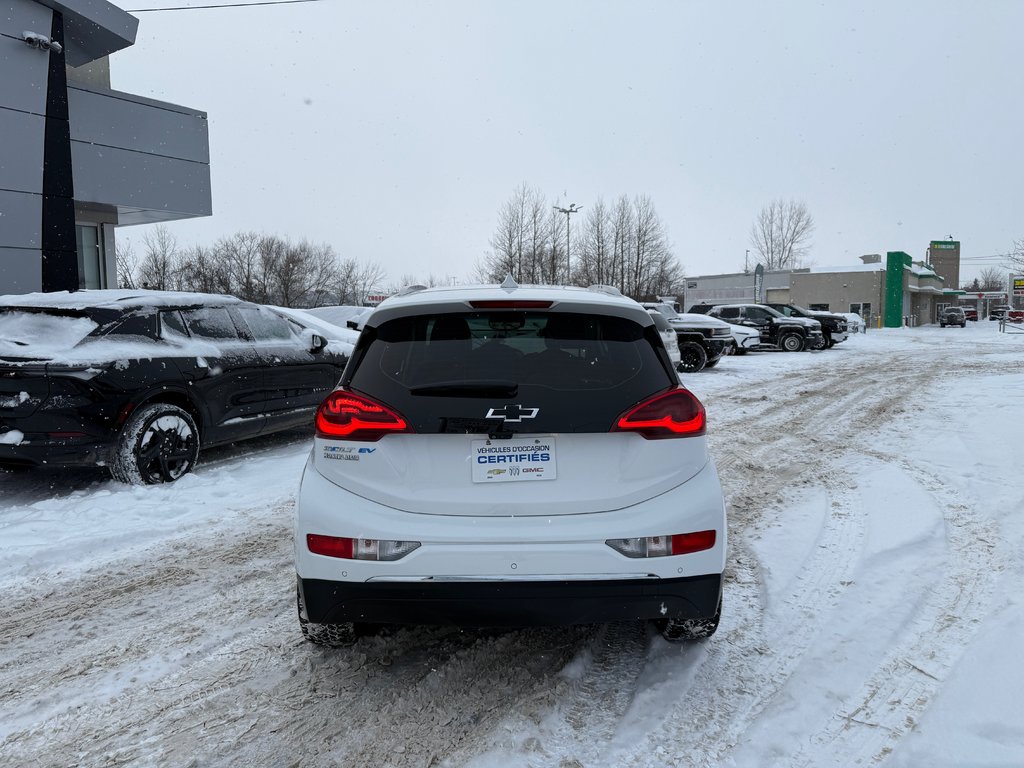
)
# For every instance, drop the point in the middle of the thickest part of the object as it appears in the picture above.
(349, 416)
(662, 546)
(359, 549)
(675, 413)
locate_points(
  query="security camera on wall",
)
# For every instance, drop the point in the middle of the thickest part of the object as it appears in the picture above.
(42, 42)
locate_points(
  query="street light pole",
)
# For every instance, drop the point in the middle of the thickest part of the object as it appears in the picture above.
(573, 208)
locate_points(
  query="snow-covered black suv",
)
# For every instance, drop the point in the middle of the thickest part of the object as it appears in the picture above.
(506, 455)
(138, 381)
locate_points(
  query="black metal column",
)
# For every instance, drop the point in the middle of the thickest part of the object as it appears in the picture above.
(59, 249)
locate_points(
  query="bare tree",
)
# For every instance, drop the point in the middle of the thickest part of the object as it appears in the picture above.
(992, 279)
(1016, 257)
(127, 264)
(624, 245)
(522, 244)
(356, 280)
(594, 262)
(781, 234)
(159, 262)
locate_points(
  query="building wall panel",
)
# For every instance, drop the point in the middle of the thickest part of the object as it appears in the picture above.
(21, 216)
(22, 270)
(21, 161)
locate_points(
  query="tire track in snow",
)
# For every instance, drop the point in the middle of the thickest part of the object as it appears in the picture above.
(899, 690)
(746, 669)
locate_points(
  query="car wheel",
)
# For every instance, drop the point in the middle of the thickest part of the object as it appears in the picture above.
(681, 630)
(692, 357)
(831, 343)
(330, 635)
(158, 444)
(792, 342)
(712, 363)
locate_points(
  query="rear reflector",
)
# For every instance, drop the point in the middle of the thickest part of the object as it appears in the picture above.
(674, 413)
(348, 416)
(661, 546)
(358, 549)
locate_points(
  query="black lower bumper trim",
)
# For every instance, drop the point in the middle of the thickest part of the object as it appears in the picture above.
(510, 603)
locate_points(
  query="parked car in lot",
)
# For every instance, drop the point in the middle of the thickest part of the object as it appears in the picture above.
(507, 456)
(744, 339)
(953, 316)
(854, 323)
(790, 334)
(833, 326)
(703, 340)
(139, 381)
(1015, 315)
(970, 312)
(668, 336)
(998, 311)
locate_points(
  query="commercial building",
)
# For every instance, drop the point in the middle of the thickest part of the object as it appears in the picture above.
(897, 291)
(78, 158)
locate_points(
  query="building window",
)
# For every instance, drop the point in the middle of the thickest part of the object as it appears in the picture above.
(92, 267)
(864, 310)
(818, 307)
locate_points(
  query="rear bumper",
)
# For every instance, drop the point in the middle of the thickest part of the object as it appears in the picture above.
(53, 453)
(510, 603)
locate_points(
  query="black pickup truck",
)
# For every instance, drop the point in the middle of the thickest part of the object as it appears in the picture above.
(790, 334)
(702, 340)
(833, 327)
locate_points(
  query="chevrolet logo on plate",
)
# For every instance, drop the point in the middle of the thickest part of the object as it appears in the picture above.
(512, 413)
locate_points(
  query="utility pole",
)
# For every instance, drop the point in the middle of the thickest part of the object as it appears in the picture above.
(746, 262)
(573, 208)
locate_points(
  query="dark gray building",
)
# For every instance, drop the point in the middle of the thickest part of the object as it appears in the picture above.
(78, 158)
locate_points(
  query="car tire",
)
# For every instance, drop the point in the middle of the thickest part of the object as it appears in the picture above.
(831, 343)
(329, 635)
(683, 630)
(791, 342)
(692, 357)
(158, 444)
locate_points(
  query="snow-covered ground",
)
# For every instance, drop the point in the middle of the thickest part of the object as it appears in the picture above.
(873, 606)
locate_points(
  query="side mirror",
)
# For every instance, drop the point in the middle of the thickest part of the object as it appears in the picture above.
(317, 343)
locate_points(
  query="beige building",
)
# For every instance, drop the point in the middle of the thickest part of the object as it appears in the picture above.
(893, 291)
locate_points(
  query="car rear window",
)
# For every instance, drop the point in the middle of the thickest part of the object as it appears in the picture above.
(45, 333)
(445, 372)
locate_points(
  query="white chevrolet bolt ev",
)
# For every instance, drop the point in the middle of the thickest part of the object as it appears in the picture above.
(506, 455)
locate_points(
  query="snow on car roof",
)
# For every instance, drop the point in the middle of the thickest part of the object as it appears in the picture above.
(114, 299)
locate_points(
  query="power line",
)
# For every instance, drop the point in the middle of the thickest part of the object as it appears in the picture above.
(222, 5)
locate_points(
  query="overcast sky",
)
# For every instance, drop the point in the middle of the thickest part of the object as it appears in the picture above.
(395, 130)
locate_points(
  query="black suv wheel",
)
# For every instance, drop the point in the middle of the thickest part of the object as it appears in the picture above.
(159, 444)
(692, 357)
(792, 342)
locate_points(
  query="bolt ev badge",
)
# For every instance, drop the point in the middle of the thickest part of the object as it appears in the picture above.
(512, 413)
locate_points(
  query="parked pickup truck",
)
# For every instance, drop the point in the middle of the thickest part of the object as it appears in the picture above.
(833, 326)
(702, 340)
(790, 334)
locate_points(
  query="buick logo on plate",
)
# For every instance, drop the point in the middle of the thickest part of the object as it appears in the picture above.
(512, 413)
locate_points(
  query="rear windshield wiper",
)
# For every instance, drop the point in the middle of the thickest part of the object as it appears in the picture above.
(468, 389)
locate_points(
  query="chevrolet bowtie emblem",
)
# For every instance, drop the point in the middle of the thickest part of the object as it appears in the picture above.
(512, 413)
